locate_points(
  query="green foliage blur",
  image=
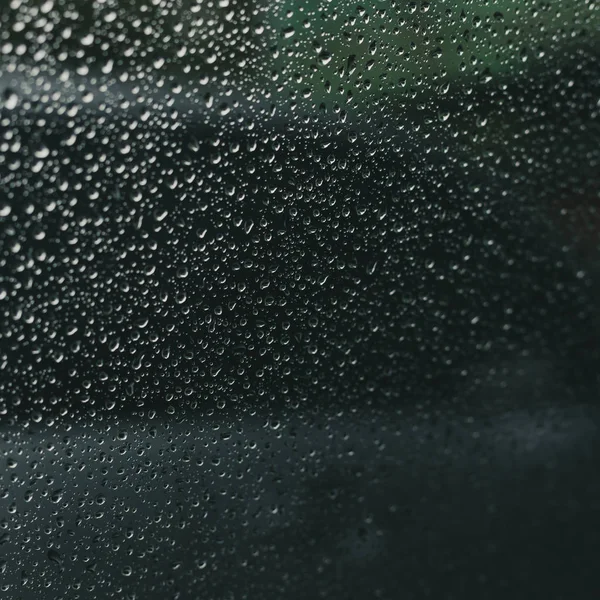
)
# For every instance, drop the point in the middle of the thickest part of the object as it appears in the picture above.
(309, 54)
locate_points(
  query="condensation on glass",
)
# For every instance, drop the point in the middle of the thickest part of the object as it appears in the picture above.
(298, 299)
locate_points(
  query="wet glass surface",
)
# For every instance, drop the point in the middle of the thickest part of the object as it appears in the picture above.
(299, 299)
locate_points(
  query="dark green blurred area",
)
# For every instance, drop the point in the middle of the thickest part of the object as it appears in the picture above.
(303, 54)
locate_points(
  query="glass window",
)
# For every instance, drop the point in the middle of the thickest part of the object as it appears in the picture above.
(299, 299)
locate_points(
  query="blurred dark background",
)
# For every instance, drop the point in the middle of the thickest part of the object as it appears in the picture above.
(260, 339)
